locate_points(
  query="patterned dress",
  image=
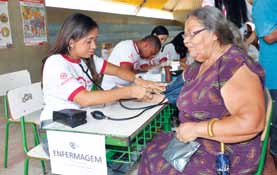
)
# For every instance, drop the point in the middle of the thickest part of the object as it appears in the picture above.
(200, 100)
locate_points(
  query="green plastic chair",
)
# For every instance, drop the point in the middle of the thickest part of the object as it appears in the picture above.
(11, 81)
(24, 101)
(266, 132)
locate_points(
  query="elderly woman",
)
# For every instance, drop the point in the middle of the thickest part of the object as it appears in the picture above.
(223, 84)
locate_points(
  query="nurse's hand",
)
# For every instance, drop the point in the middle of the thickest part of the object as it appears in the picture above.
(186, 132)
(154, 87)
(157, 98)
(141, 93)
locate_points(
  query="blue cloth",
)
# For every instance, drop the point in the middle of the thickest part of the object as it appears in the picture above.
(173, 89)
(265, 19)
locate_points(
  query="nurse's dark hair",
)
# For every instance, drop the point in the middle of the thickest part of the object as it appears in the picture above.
(213, 20)
(160, 30)
(179, 46)
(75, 26)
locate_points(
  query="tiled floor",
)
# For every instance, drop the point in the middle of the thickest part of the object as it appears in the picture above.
(16, 156)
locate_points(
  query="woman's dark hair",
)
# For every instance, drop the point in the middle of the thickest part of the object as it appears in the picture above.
(236, 10)
(160, 30)
(75, 26)
(178, 42)
(213, 20)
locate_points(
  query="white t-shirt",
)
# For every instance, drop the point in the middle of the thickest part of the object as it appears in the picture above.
(125, 52)
(63, 78)
(156, 61)
(170, 52)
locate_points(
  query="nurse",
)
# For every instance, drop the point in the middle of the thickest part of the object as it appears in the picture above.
(71, 69)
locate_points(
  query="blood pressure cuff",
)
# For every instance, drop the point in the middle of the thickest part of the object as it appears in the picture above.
(173, 89)
(70, 117)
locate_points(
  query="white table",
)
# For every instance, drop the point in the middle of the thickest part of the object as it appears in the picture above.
(131, 135)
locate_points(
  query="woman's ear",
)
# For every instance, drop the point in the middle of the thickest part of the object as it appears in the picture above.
(214, 36)
(71, 43)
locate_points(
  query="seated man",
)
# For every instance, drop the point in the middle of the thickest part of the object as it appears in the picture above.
(126, 54)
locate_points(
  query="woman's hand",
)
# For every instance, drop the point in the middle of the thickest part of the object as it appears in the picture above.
(153, 86)
(186, 132)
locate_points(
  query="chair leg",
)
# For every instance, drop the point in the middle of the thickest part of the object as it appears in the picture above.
(42, 162)
(6, 146)
(26, 166)
(36, 135)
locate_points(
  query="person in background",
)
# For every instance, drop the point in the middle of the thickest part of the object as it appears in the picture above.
(265, 20)
(126, 54)
(106, 50)
(71, 69)
(161, 32)
(235, 11)
(251, 41)
(250, 36)
(207, 100)
(154, 64)
(176, 50)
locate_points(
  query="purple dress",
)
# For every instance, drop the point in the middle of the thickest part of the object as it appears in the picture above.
(200, 100)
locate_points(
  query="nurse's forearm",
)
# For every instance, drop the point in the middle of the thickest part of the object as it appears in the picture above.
(126, 75)
(91, 98)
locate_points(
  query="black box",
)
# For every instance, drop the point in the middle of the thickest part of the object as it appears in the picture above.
(70, 117)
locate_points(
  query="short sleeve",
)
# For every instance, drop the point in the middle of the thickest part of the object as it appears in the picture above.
(229, 63)
(127, 53)
(100, 64)
(170, 53)
(160, 58)
(58, 79)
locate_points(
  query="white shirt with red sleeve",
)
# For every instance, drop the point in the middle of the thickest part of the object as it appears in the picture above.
(125, 52)
(157, 60)
(169, 52)
(63, 79)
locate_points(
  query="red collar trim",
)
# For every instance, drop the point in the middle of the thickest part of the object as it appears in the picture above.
(136, 48)
(72, 60)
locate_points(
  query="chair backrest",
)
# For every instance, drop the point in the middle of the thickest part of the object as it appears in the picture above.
(14, 80)
(25, 100)
(268, 103)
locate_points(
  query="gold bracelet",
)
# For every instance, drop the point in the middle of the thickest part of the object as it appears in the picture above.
(210, 126)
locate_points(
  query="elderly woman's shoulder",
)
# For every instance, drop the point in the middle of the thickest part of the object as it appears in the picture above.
(235, 54)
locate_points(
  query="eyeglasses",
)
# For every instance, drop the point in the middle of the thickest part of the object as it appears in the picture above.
(192, 34)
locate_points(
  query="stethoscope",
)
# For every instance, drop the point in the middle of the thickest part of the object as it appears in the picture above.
(145, 108)
(89, 77)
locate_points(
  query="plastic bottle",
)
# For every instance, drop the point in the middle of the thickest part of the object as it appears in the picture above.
(168, 76)
(162, 75)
